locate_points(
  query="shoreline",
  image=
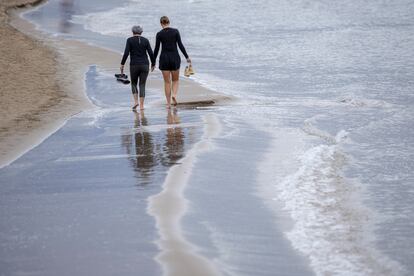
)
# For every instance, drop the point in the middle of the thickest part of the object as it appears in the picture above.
(72, 59)
(178, 256)
(224, 220)
(34, 104)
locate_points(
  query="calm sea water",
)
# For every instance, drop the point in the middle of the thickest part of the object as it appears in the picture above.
(331, 83)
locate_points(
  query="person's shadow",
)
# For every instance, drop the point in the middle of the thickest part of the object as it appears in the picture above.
(140, 149)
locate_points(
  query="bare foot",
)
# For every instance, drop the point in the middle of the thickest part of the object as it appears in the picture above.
(174, 101)
(135, 107)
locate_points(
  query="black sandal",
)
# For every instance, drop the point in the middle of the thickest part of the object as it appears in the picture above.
(121, 76)
(124, 81)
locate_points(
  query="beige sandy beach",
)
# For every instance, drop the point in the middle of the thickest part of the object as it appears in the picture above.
(34, 102)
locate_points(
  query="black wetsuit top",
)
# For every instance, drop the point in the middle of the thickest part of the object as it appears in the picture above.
(169, 58)
(138, 47)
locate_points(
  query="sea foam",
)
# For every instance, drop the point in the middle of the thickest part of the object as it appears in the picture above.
(331, 226)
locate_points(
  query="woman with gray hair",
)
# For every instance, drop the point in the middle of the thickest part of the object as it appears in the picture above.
(138, 48)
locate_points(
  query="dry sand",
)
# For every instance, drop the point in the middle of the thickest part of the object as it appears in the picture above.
(33, 103)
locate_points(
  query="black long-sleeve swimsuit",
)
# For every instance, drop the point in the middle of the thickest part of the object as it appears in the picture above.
(138, 47)
(170, 59)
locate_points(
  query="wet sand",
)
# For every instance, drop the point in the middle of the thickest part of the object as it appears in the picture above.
(178, 256)
(83, 192)
(61, 88)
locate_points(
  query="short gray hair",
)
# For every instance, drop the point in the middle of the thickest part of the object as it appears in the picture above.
(137, 29)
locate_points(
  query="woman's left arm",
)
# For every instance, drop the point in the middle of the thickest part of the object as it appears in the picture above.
(182, 48)
(157, 45)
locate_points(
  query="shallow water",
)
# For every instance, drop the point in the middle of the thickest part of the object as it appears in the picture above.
(327, 86)
(76, 204)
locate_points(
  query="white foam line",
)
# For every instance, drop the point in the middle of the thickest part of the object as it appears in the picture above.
(310, 129)
(36, 140)
(178, 256)
(332, 227)
(95, 157)
(160, 127)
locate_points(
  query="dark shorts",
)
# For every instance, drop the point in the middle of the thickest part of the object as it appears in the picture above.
(170, 61)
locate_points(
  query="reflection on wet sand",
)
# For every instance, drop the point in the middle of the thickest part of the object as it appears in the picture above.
(173, 149)
(140, 147)
(67, 10)
(144, 154)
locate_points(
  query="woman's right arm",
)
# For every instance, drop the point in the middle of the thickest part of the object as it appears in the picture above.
(125, 56)
(157, 46)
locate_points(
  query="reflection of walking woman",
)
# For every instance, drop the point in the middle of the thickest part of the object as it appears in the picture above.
(170, 60)
(138, 47)
(174, 140)
(140, 149)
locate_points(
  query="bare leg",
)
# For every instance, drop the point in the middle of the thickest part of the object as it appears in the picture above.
(142, 80)
(134, 81)
(167, 86)
(175, 78)
(141, 103)
(135, 100)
